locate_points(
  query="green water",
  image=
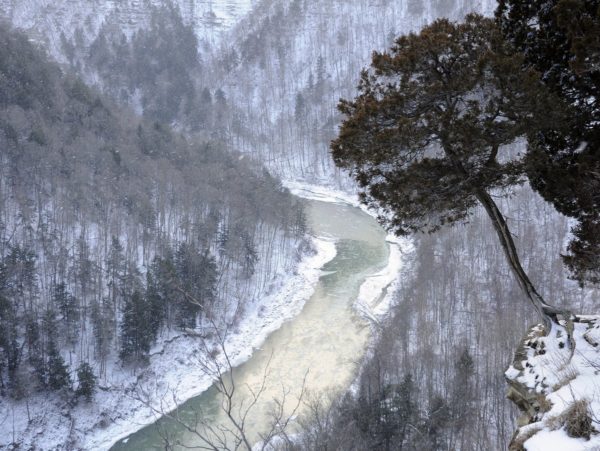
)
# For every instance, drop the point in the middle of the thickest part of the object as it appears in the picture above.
(321, 346)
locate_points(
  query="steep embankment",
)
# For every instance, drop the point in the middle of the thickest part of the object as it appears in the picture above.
(556, 388)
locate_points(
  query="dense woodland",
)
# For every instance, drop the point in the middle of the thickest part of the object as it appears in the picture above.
(162, 210)
(307, 54)
(115, 229)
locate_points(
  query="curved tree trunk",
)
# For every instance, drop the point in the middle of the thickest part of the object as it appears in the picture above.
(547, 312)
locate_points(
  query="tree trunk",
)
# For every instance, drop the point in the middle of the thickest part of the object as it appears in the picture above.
(547, 312)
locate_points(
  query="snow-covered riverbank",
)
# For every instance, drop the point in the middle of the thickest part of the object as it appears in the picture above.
(373, 301)
(175, 372)
(173, 375)
(376, 293)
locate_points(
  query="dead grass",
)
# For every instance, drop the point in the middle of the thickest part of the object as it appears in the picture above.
(576, 420)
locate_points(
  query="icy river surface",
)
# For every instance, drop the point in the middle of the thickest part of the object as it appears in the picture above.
(318, 350)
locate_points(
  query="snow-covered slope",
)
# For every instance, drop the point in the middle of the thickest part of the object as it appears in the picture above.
(282, 65)
(174, 374)
(557, 388)
(294, 60)
(49, 18)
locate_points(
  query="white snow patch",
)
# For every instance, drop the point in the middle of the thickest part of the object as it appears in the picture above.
(557, 441)
(376, 293)
(552, 370)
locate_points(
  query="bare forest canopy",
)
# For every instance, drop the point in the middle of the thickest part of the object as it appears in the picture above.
(115, 228)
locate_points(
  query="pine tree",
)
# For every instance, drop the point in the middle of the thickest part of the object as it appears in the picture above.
(136, 335)
(9, 342)
(58, 373)
(36, 352)
(103, 328)
(115, 268)
(66, 304)
(559, 38)
(157, 295)
(250, 255)
(300, 220)
(196, 283)
(87, 381)
(435, 423)
(406, 410)
(300, 107)
(320, 71)
(83, 269)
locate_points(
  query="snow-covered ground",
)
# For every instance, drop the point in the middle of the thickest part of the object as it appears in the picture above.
(561, 388)
(175, 372)
(173, 375)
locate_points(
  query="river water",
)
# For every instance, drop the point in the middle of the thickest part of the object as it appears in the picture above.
(319, 349)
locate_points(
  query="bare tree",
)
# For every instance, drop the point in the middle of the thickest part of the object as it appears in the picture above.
(233, 434)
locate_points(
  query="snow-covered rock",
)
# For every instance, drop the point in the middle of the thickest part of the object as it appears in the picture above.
(557, 387)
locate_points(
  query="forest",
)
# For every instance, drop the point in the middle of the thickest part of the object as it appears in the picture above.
(140, 197)
(114, 229)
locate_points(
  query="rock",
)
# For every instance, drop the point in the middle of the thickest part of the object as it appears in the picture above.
(553, 385)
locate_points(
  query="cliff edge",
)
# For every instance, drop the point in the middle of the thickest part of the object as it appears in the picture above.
(557, 388)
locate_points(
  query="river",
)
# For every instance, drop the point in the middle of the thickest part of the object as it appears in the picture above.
(319, 349)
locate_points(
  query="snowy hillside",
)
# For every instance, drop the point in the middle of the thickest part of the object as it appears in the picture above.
(286, 65)
(48, 19)
(282, 66)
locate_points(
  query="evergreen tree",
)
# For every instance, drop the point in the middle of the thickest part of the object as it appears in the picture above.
(300, 107)
(196, 283)
(67, 306)
(157, 293)
(115, 268)
(10, 350)
(435, 423)
(83, 268)
(426, 137)
(136, 335)
(300, 220)
(58, 373)
(559, 38)
(320, 82)
(87, 381)
(250, 254)
(36, 352)
(103, 328)
(406, 411)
